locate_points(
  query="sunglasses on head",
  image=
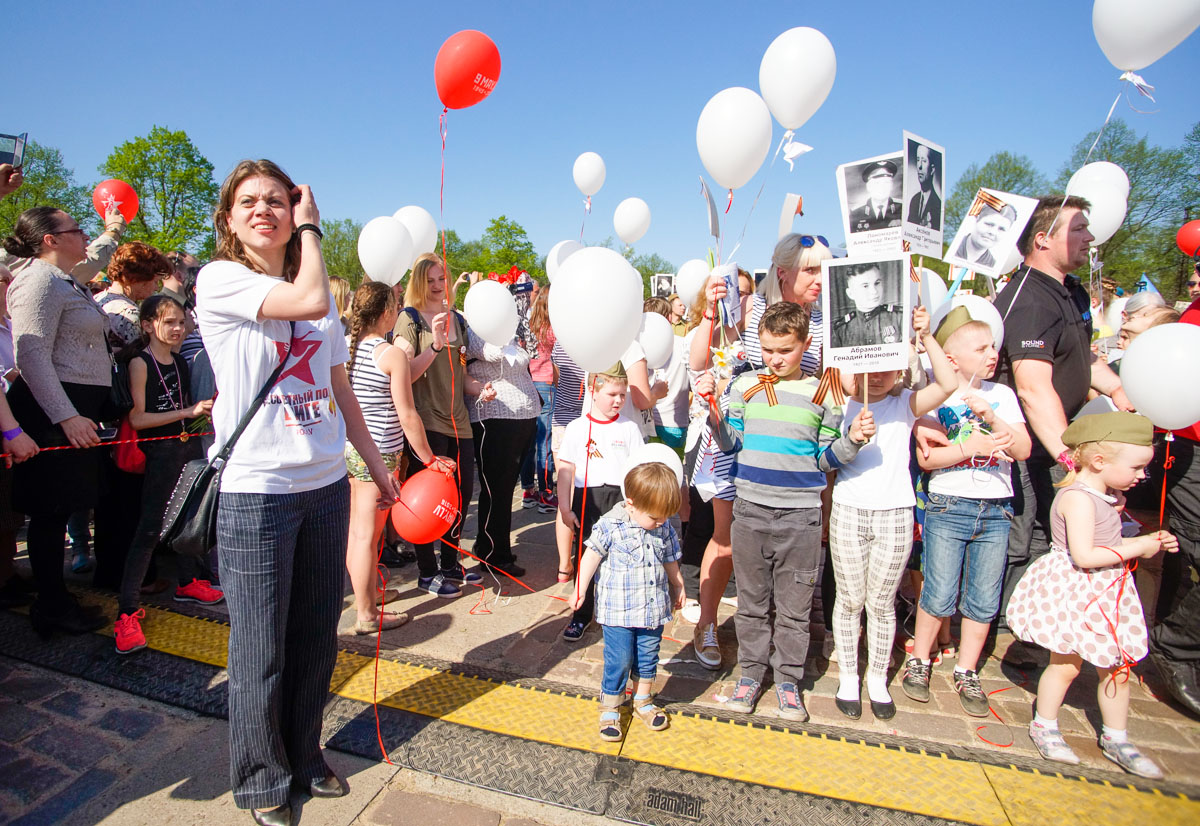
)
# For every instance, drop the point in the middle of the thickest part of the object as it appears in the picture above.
(807, 241)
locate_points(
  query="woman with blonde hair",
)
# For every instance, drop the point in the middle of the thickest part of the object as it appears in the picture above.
(264, 309)
(434, 337)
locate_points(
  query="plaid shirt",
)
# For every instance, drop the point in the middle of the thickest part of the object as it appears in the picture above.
(631, 583)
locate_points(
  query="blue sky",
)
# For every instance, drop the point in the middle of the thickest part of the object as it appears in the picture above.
(342, 95)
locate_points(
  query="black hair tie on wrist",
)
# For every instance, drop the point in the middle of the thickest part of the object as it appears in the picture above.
(310, 228)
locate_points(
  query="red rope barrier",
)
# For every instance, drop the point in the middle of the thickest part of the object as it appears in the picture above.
(181, 437)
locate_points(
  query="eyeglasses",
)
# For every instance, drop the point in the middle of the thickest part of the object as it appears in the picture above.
(807, 241)
(82, 233)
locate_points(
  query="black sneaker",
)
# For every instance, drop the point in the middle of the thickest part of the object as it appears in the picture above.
(510, 568)
(916, 680)
(574, 630)
(970, 693)
(462, 575)
(439, 586)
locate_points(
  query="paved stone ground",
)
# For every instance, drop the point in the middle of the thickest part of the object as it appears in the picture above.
(75, 752)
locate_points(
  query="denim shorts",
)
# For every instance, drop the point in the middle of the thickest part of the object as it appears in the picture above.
(965, 539)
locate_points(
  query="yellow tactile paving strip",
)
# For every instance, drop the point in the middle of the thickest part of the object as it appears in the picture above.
(894, 778)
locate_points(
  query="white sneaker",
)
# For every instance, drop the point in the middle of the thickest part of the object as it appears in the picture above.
(731, 601)
(691, 611)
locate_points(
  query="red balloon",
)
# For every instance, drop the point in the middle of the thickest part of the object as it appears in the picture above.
(1188, 238)
(115, 192)
(429, 504)
(466, 69)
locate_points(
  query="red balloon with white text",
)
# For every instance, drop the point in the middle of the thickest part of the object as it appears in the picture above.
(429, 504)
(466, 69)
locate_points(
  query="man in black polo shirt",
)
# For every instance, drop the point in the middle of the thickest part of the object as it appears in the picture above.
(1047, 359)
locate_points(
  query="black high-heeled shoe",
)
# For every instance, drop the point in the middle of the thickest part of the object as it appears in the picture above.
(329, 787)
(281, 816)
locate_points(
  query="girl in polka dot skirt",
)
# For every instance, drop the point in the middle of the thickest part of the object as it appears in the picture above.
(1079, 600)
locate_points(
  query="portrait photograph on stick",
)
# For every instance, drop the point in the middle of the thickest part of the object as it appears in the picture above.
(867, 301)
(924, 171)
(990, 231)
(870, 192)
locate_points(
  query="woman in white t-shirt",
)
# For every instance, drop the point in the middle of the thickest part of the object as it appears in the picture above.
(285, 502)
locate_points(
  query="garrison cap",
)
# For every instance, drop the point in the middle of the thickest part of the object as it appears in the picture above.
(1127, 428)
(954, 319)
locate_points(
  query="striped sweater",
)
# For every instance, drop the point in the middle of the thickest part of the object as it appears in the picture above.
(782, 451)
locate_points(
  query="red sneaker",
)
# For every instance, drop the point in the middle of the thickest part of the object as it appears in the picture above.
(529, 498)
(129, 632)
(199, 590)
(547, 502)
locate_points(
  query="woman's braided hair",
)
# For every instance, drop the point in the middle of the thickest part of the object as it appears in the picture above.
(370, 302)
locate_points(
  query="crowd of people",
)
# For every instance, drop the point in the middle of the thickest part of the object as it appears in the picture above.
(960, 484)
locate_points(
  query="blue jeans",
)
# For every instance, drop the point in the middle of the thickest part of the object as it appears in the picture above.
(538, 467)
(625, 649)
(965, 539)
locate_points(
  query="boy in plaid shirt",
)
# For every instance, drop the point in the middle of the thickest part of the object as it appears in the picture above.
(636, 552)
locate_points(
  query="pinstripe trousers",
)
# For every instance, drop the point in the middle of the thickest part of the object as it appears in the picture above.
(282, 558)
(869, 549)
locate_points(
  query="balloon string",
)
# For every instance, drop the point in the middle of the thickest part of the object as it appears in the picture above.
(587, 210)
(380, 568)
(1087, 158)
(112, 442)
(496, 570)
(442, 183)
(587, 458)
(787, 136)
(1167, 464)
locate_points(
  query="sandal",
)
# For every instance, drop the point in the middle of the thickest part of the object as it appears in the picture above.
(566, 576)
(654, 717)
(390, 620)
(610, 729)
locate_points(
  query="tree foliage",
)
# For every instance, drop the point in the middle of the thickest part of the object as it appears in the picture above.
(339, 247)
(175, 187)
(1003, 171)
(48, 182)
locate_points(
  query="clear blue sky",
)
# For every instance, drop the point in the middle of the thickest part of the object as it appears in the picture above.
(342, 95)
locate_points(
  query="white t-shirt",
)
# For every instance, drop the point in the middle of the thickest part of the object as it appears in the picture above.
(605, 456)
(982, 477)
(295, 442)
(672, 409)
(878, 478)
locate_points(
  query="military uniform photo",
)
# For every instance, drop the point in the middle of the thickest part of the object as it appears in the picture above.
(882, 325)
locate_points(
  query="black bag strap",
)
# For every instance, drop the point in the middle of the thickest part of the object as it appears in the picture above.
(221, 458)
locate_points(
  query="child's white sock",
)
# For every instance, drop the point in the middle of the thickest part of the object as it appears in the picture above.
(1038, 719)
(1114, 735)
(848, 687)
(877, 689)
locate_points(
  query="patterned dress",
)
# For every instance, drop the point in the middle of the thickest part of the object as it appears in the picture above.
(1092, 612)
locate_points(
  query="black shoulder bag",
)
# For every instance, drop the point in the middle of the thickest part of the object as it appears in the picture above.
(190, 521)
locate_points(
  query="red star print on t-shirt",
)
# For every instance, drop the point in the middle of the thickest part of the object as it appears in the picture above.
(303, 349)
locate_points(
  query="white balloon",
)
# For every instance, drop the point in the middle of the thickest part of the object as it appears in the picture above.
(1154, 375)
(559, 253)
(979, 308)
(596, 307)
(690, 280)
(1112, 314)
(932, 289)
(385, 250)
(733, 136)
(1099, 176)
(1105, 218)
(491, 312)
(657, 339)
(420, 226)
(1133, 35)
(1012, 260)
(631, 219)
(796, 74)
(644, 454)
(589, 173)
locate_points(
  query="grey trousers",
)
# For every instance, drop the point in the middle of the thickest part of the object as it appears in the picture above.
(282, 558)
(776, 558)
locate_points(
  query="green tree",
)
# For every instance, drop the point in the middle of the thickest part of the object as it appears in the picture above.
(507, 244)
(48, 182)
(1157, 179)
(175, 187)
(1003, 171)
(339, 247)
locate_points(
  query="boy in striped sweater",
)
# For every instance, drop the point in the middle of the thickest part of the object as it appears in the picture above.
(784, 444)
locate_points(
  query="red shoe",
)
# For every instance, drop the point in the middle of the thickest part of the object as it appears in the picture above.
(547, 502)
(129, 632)
(529, 498)
(199, 590)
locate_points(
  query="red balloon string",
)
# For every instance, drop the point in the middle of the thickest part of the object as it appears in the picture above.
(587, 456)
(729, 203)
(1128, 567)
(496, 570)
(382, 586)
(1168, 462)
(112, 442)
(1011, 737)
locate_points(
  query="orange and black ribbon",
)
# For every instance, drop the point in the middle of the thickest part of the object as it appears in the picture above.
(765, 382)
(831, 383)
(913, 275)
(985, 198)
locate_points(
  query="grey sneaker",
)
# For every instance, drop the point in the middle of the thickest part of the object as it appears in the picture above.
(1051, 745)
(916, 680)
(1127, 756)
(745, 695)
(970, 693)
(791, 705)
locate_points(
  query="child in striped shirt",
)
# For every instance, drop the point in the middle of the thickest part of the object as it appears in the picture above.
(784, 444)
